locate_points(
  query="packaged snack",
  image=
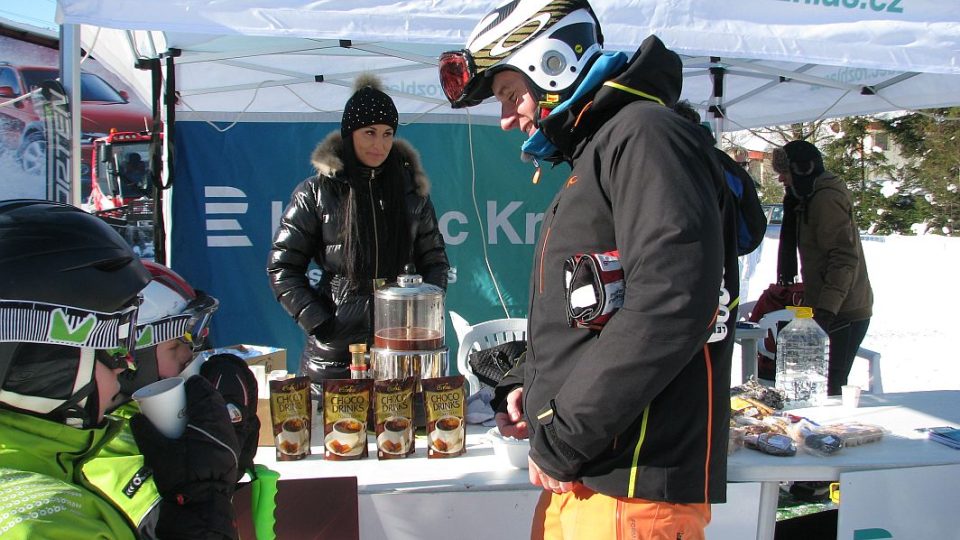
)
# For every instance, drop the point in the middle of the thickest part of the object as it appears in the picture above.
(854, 433)
(393, 416)
(753, 390)
(740, 407)
(735, 440)
(291, 416)
(774, 444)
(346, 405)
(444, 400)
(749, 407)
(822, 444)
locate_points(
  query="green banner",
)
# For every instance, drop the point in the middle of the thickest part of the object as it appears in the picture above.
(232, 186)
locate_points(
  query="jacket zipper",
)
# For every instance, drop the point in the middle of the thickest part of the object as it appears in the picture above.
(376, 233)
(543, 248)
(530, 348)
(539, 285)
(543, 251)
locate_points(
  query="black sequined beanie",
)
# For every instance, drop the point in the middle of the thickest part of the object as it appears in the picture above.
(367, 106)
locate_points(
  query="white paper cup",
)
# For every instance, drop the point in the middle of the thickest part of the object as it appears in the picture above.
(164, 403)
(850, 396)
(193, 368)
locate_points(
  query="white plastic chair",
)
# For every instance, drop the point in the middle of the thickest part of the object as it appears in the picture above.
(482, 336)
(769, 324)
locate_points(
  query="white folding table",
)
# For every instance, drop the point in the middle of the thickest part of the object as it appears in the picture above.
(478, 495)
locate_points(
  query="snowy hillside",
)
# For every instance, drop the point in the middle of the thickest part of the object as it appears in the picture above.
(916, 297)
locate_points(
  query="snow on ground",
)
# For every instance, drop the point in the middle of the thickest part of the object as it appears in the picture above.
(916, 297)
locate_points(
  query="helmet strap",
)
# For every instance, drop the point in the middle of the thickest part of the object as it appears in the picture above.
(81, 409)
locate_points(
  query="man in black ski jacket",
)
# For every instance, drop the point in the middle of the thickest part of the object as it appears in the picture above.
(631, 419)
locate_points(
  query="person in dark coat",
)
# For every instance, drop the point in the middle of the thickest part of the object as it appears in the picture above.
(818, 223)
(628, 423)
(362, 217)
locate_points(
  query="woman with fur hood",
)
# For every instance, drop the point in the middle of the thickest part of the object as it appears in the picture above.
(364, 215)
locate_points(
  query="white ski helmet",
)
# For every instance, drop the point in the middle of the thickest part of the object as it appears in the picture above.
(551, 42)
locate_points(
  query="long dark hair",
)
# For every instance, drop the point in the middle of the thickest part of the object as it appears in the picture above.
(391, 226)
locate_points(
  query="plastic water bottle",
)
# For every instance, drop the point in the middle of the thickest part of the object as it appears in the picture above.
(802, 348)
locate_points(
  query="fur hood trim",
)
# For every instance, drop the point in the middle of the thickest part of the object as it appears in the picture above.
(327, 162)
(780, 161)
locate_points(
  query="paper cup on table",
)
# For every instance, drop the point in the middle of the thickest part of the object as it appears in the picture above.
(260, 374)
(850, 396)
(164, 403)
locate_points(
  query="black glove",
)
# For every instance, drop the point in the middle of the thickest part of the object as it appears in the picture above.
(229, 374)
(824, 318)
(196, 473)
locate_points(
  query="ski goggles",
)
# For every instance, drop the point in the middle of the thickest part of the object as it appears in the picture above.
(459, 78)
(40, 322)
(189, 326)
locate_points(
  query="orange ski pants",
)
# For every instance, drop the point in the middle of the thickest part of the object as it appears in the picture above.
(583, 514)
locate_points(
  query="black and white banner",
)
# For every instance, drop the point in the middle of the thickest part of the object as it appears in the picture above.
(56, 121)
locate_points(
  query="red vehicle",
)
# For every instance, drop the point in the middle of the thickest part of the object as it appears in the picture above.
(102, 107)
(120, 167)
(121, 190)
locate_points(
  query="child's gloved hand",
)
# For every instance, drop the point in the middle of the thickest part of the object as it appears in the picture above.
(202, 463)
(231, 376)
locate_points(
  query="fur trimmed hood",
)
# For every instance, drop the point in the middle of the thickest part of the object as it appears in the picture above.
(327, 162)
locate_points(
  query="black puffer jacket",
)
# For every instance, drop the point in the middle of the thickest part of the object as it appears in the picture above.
(310, 230)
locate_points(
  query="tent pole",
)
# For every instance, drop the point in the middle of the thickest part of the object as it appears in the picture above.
(70, 78)
(715, 108)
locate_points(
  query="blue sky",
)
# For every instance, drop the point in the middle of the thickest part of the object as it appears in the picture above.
(36, 12)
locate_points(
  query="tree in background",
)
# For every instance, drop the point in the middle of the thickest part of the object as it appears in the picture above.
(930, 141)
(853, 157)
(916, 191)
(769, 189)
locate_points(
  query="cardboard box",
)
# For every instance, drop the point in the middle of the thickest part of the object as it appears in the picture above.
(271, 358)
(257, 355)
(266, 426)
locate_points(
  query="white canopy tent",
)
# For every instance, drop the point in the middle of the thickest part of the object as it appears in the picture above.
(258, 82)
(781, 60)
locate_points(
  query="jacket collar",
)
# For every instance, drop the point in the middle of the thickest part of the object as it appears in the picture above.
(606, 66)
(327, 161)
(35, 444)
(655, 74)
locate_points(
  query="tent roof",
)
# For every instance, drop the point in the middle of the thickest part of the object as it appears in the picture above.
(783, 60)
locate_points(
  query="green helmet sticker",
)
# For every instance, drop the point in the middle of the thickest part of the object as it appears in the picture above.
(145, 336)
(61, 331)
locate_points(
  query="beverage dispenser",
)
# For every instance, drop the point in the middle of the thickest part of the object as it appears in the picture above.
(408, 330)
